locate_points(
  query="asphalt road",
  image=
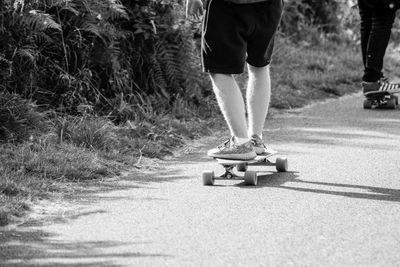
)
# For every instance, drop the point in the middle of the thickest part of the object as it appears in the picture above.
(339, 205)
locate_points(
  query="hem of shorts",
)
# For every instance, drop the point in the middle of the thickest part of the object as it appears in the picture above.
(264, 64)
(223, 70)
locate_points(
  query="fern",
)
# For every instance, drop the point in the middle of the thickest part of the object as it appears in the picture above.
(167, 56)
(5, 67)
(103, 9)
(28, 53)
(194, 82)
(159, 80)
(67, 6)
(116, 10)
(92, 28)
(38, 21)
(64, 53)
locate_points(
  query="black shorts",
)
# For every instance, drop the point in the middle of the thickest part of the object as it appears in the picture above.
(236, 33)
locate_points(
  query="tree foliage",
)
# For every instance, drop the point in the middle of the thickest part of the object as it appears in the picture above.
(109, 54)
(330, 17)
(67, 53)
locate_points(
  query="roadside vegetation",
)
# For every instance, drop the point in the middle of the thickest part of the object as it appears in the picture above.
(91, 88)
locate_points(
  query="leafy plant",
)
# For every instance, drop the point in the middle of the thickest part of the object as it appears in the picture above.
(19, 118)
(65, 53)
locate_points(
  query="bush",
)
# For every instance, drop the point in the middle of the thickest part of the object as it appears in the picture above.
(19, 118)
(106, 53)
(327, 16)
(66, 53)
(89, 132)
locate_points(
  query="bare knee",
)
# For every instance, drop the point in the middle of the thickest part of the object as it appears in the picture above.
(256, 70)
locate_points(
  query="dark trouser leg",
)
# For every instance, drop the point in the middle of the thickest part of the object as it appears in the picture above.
(365, 28)
(376, 29)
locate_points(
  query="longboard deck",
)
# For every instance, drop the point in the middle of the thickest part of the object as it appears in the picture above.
(379, 94)
(236, 162)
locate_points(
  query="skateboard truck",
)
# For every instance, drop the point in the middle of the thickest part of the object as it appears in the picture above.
(228, 172)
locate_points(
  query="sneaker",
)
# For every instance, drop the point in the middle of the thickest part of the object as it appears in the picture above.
(383, 85)
(259, 146)
(231, 150)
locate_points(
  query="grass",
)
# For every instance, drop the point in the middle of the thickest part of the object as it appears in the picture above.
(314, 72)
(38, 162)
(74, 150)
(30, 171)
(304, 72)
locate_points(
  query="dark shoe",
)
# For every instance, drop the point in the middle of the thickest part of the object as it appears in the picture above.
(380, 86)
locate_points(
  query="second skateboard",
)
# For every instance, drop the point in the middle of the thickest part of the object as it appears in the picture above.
(384, 100)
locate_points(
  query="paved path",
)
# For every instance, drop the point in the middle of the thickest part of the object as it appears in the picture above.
(338, 206)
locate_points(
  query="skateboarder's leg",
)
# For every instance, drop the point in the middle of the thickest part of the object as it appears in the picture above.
(376, 24)
(382, 22)
(231, 104)
(365, 28)
(260, 46)
(230, 101)
(258, 98)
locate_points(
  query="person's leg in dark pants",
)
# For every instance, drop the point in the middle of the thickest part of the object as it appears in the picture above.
(365, 28)
(376, 26)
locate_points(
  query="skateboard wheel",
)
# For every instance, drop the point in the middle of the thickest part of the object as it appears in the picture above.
(282, 164)
(242, 167)
(367, 104)
(208, 178)
(250, 177)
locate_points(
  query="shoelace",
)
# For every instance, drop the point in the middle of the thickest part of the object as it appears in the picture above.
(224, 144)
(227, 143)
(256, 142)
(384, 80)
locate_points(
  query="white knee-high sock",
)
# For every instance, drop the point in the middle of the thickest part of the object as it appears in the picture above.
(258, 97)
(231, 103)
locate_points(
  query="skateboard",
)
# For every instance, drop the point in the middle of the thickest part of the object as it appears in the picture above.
(250, 177)
(381, 100)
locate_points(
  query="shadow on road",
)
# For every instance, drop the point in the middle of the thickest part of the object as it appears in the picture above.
(36, 248)
(280, 180)
(338, 125)
(373, 193)
(24, 245)
(273, 179)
